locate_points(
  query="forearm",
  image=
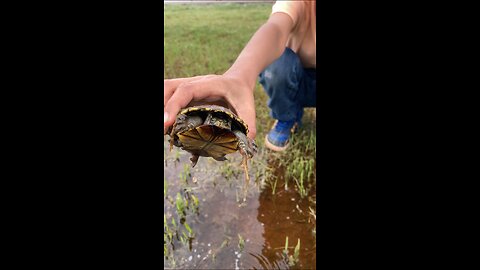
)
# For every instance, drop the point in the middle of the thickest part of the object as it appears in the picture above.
(266, 45)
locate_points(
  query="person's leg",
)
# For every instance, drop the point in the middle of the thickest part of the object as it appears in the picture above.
(284, 82)
(281, 81)
(309, 88)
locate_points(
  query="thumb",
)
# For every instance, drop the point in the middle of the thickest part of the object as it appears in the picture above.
(179, 100)
(248, 115)
(166, 118)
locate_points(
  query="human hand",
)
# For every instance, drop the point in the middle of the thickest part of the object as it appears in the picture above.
(179, 93)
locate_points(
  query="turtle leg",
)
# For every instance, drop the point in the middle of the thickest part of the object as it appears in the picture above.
(183, 123)
(172, 138)
(194, 160)
(253, 145)
(174, 141)
(245, 145)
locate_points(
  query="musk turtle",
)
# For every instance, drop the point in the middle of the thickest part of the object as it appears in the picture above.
(211, 131)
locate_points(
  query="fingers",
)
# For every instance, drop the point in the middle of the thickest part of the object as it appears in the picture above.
(180, 93)
(242, 101)
(248, 115)
(199, 89)
(178, 100)
(169, 87)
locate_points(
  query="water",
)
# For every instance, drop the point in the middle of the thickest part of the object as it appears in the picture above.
(229, 233)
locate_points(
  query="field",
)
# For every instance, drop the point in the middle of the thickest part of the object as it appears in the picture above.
(206, 222)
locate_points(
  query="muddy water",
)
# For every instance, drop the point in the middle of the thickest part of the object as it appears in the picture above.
(229, 233)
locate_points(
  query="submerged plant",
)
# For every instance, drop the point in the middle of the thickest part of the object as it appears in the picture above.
(285, 250)
(296, 252)
(180, 205)
(190, 232)
(185, 174)
(195, 203)
(241, 242)
(165, 187)
(292, 259)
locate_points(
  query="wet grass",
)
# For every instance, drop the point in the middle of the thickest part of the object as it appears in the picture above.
(205, 39)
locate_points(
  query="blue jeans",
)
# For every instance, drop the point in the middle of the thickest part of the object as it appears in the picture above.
(290, 87)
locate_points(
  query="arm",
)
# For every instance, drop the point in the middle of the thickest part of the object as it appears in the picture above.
(237, 84)
(266, 45)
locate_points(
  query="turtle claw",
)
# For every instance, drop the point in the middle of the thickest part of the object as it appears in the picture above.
(253, 146)
(220, 158)
(194, 160)
(170, 133)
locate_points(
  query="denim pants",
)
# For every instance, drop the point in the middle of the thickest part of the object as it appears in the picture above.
(290, 87)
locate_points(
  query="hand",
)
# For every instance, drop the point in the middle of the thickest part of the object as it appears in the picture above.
(179, 93)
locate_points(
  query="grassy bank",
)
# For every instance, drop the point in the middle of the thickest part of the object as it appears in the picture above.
(203, 39)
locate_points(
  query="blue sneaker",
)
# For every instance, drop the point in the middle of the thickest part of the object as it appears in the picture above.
(279, 136)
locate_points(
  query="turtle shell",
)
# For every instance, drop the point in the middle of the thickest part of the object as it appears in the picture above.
(214, 139)
(203, 109)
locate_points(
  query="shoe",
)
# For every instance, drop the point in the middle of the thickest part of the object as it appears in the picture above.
(279, 136)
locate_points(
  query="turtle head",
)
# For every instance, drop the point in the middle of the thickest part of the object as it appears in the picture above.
(184, 123)
(221, 122)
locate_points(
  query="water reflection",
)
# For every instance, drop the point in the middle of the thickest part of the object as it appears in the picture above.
(285, 215)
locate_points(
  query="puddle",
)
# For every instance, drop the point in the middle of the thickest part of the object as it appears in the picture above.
(223, 231)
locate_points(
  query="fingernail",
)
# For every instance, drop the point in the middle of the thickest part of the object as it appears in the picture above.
(165, 117)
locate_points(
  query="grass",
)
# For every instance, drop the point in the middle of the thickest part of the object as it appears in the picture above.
(201, 39)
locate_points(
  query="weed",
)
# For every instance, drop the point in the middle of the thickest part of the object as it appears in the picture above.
(241, 242)
(180, 205)
(285, 250)
(228, 170)
(190, 232)
(312, 213)
(296, 254)
(195, 203)
(165, 187)
(291, 259)
(185, 174)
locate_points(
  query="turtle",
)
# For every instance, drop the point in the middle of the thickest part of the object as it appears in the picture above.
(211, 131)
